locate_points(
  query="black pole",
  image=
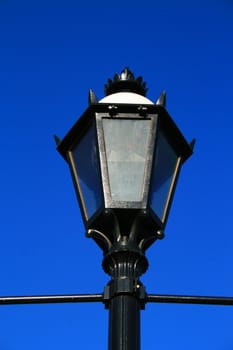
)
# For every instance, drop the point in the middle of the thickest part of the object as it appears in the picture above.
(124, 295)
(124, 323)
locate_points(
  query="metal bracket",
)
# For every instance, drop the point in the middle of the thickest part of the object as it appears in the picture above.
(139, 290)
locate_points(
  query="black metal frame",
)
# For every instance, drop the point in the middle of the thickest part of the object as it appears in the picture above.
(171, 191)
(74, 174)
(166, 123)
(161, 222)
(93, 116)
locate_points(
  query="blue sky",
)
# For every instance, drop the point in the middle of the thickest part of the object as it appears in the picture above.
(51, 53)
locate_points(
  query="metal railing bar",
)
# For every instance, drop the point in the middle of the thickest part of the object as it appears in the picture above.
(78, 298)
(189, 299)
(46, 299)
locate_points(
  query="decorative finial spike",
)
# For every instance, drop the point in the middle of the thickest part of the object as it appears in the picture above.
(192, 144)
(162, 99)
(92, 99)
(57, 140)
(125, 82)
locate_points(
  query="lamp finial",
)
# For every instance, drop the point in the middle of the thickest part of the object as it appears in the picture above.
(125, 82)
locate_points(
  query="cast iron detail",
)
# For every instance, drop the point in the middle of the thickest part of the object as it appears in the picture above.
(92, 99)
(129, 230)
(124, 260)
(125, 82)
(161, 101)
(124, 245)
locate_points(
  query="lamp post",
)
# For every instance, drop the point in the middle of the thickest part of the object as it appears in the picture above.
(125, 154)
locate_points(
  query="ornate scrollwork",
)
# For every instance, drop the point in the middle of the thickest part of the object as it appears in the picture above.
(124, 243)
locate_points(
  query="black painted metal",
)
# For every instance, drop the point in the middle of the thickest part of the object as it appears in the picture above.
(124, 323)
(123, 230)
(51, 299)
(141, 297)
(124, 295)
(189, 299)
(125, 82)
(93, 118)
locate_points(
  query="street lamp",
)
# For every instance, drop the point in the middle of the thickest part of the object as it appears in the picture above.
(125, 154)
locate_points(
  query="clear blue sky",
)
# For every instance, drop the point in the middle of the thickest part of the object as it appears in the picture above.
(51, 53)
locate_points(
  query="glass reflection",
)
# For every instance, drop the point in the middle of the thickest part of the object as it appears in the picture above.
(86, 164)
(126, 142)
(163, 170)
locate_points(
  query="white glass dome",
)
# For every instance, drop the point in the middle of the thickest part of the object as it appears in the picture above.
(126, 97)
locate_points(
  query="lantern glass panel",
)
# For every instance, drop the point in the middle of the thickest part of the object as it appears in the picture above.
(85, 161)
(165, 165)
(126, 143)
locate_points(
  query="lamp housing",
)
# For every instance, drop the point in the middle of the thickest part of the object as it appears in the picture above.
(125, 159)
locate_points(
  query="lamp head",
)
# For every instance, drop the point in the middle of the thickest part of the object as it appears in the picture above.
(125, 154)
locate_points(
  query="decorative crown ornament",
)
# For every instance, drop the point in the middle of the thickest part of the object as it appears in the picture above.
(125, 82)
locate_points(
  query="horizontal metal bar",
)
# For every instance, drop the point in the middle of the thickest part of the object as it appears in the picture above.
(78, 298)
(51, 299)
(189, 299)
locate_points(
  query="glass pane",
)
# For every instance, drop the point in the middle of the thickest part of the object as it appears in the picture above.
(164, 167)
(126, 143)
(86, 164)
